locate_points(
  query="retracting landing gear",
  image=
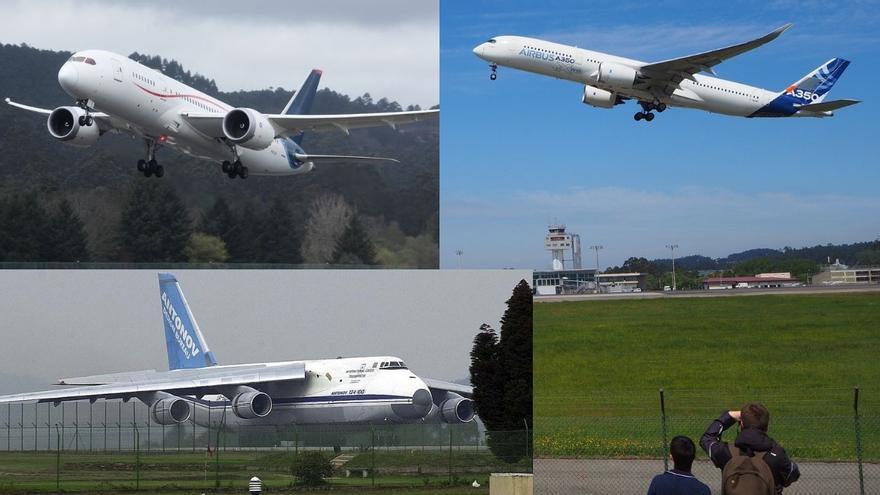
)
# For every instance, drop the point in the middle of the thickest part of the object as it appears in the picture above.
(235, 168)
(85, 120)
(647, 107)
(493, 75)
(150, 167)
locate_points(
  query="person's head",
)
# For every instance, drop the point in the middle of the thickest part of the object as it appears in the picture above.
(755, 415)
(683, 451)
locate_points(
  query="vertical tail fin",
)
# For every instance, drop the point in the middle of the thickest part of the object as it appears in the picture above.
(813, 87)
(186, 345)
(301, 103)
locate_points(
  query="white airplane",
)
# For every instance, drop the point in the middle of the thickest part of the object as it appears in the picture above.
(610, 80)
(115, 93)
(361, 390)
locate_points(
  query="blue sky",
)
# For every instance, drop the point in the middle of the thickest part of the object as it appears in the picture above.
(523, 151)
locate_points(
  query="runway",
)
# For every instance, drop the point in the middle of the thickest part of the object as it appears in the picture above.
(612, 476)
(840, 289)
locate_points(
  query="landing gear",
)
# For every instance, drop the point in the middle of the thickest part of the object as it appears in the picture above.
(235, 169)
(493, 75)
(647, 107)
(150, 166)
(85, 120)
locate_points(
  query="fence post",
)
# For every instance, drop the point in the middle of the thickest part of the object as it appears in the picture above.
(137, 456)
(76, 425)
(194, 425)
(663, 429)
(62, 424)
(21, 430)
(119, 425)
(36, 423)
(91, 419)
(858, 431)
(57, 459)
(9, 427)
(450, 454)
(373, 454)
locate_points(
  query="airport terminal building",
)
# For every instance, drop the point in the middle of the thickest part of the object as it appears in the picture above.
(845, 275)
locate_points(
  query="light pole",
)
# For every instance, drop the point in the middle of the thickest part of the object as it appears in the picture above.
(597, 248)
(459, 253)
(673, 247)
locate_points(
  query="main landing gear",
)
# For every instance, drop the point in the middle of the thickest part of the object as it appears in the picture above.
(234, 169)
(85, 120)
(647, 107)
(493, 75)
(150, 167)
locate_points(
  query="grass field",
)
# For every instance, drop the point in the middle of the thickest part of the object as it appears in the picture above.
(29, 472)
(599, 366)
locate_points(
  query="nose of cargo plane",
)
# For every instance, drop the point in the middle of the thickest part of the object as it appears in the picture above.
(68, 78)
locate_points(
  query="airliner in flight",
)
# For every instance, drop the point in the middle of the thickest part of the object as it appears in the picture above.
(360, 390)
(610, 80)
(115, 93)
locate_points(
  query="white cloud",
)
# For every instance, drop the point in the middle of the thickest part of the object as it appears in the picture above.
(397, 59)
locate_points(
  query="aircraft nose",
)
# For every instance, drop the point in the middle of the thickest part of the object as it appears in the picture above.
(478, 50)
(68, 78)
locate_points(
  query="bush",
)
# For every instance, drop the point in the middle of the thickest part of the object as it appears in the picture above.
(310, 468)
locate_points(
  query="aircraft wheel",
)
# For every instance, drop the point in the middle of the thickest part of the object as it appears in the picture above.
(148, 172)
(493, 76)
(649, 116)
(142, 165)
(661, 107)
(89, 120)
(243, 173)
(639, 116)
(231, 175)
(160, 170)
(152, 165)
(82, 121)
(226, 167)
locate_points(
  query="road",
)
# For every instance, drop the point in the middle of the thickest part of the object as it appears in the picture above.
(622, 477)
(838, 289)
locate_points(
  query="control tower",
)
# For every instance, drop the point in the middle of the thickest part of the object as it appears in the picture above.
(558, 241)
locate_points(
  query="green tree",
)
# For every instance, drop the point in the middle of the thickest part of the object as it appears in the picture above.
(354, 246)
(67, 234)
(205, 248)
(278, 239)
(24, 229)
(219, 221)
(486, 378)
(154, 226)
(242, 239)
(311, 468)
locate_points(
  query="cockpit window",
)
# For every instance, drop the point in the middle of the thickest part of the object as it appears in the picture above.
(76, 59)
(90, 61)
(491, 40)
(393, 365)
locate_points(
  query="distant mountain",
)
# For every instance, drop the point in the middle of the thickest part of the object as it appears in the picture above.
(397, 200)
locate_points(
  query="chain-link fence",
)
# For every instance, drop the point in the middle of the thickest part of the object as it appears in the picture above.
(837, 454)
(111, 445)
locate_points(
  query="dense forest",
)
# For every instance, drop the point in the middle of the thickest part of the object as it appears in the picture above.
(352, 215)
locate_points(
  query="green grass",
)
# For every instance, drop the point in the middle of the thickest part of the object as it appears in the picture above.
(598, 366)
(29, 472)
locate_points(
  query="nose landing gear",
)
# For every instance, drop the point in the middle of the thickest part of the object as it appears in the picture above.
(493, 75)
(85, 120)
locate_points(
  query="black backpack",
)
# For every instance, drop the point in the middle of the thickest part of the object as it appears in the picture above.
(746, 474)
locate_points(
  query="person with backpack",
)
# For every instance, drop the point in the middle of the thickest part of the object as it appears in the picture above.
(679, 480)
(755, 464)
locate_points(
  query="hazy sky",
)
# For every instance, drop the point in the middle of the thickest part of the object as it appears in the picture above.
(523, 151)
(67, 323)
(389, 48)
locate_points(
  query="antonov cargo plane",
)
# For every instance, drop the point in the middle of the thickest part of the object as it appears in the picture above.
(362, 390)
(610, 80)
(115, 93)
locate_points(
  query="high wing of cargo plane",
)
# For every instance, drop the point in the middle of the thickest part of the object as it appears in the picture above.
(116, 94)
(609, 80)
(364, 390)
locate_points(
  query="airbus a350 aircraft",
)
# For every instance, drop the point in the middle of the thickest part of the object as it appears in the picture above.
(363, 390)
(115, 93)
(610, 80)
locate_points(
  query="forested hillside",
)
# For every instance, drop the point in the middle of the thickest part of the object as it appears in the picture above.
(282, 219)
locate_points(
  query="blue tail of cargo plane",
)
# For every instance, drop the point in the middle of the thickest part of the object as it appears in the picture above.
(186, 345)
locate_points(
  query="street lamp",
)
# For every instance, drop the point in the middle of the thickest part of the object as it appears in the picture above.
(673, 247)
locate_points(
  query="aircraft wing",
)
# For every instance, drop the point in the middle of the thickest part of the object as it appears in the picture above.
(190, 381)
(340, 159)
(670, 72)
(457, 388)
(289, 125)
(104, 121)
(827, 106)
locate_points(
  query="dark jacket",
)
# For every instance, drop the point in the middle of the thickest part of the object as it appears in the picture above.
(785, 471)
(675, 482)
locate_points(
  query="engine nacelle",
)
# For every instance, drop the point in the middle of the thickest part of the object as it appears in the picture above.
(63, 124)
(249, 128)
(616, 75)
(251, 405)
(457, 410)
(598, 97)
(171, 411)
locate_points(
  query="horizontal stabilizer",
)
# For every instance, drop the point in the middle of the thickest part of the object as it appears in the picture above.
(337, 159)
(827, 106)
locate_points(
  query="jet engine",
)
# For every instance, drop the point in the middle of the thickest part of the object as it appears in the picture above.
(64, 125)
(170, 411)
(616, 75)
(249, 128)
(598, 97)
(251, 404)
(457, 409)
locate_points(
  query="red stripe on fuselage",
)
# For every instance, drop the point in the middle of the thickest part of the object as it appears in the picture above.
(160, 95)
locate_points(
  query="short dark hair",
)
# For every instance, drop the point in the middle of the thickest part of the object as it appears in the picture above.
(755, 415)
(683, 452)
